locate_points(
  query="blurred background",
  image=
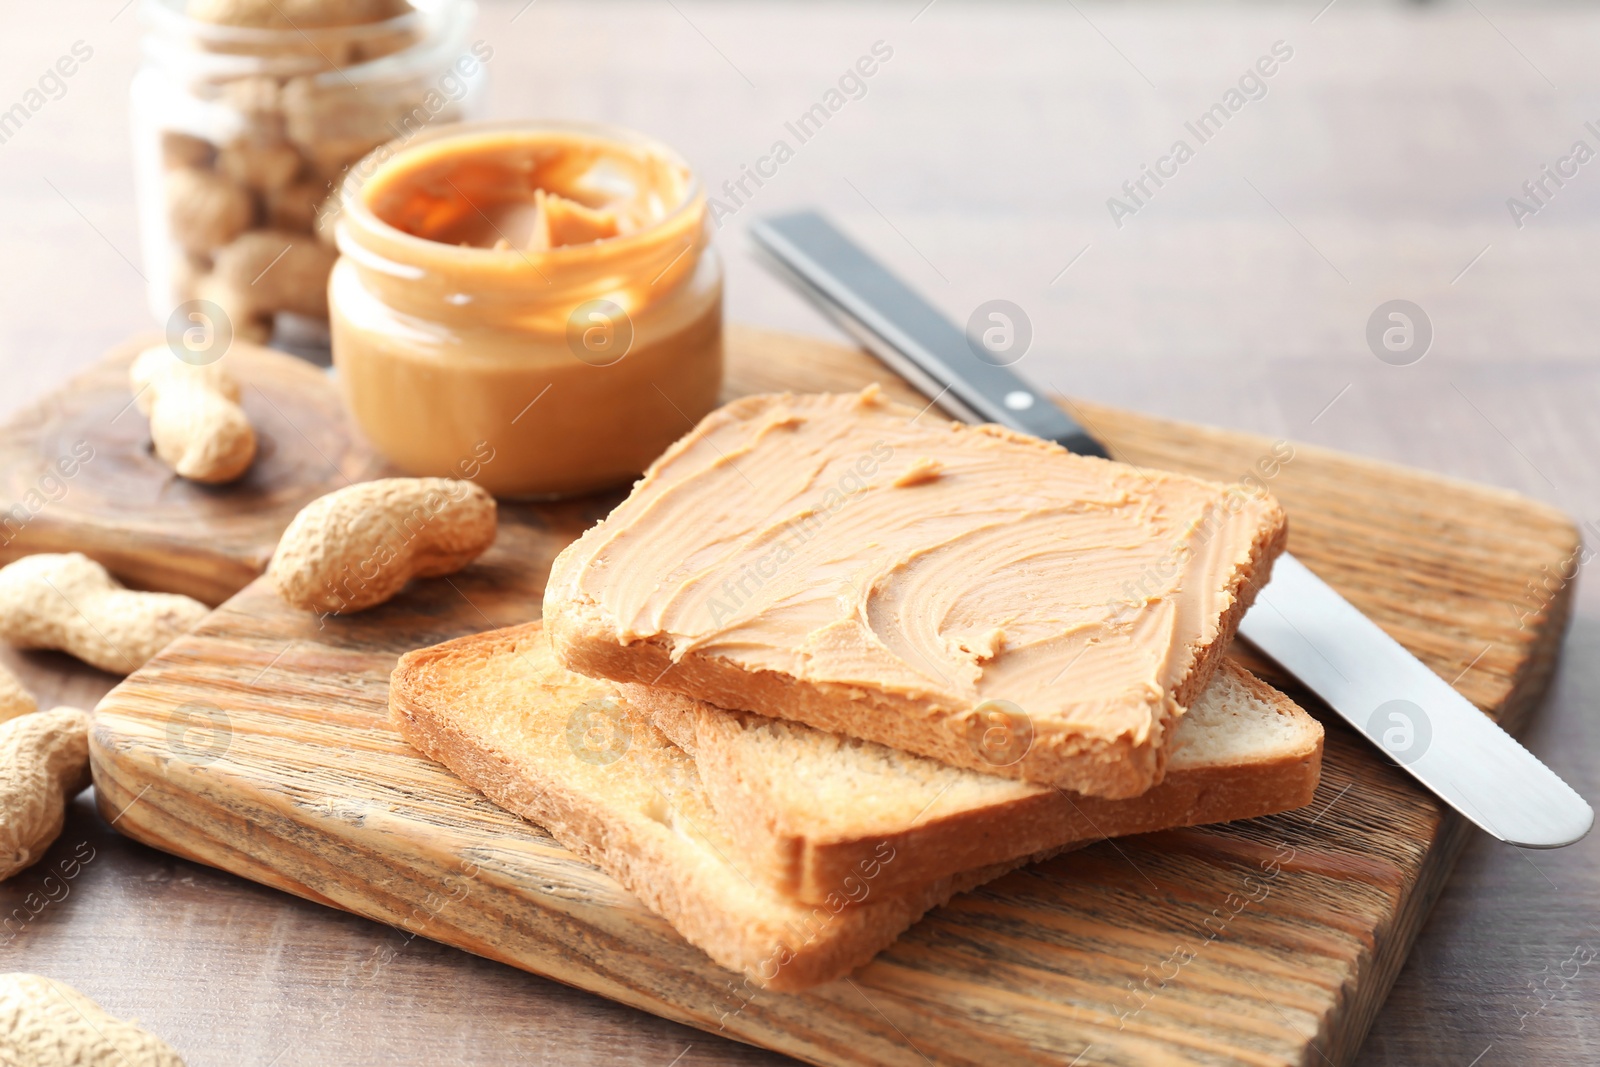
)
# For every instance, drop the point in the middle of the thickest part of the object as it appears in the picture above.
(1376, 164)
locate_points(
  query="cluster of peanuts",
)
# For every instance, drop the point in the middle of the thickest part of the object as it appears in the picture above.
(246, 216)
(247, 202)
(348, 551)
(68, 602)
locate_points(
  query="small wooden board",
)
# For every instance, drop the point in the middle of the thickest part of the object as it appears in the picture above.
(261, 744)
(127, 509)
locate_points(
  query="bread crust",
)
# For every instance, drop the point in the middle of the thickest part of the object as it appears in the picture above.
(777, 943)
(806, 863)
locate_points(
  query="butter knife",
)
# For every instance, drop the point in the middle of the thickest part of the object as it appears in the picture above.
(1380, 689)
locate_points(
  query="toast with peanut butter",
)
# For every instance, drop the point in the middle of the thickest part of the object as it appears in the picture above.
(878, 572)
(570, 754)
(807, 809)
(576, 756)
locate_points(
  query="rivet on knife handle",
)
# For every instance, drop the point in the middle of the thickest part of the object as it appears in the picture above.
(906, 332)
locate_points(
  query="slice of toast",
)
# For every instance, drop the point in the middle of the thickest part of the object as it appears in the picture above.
(875, 571)
(569, 754)
(809, 809)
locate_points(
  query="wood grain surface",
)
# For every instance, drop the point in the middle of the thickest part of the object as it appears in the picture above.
(126, 508)
(260, 744)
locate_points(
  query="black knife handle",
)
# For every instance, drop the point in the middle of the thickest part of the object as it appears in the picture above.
(908, 333)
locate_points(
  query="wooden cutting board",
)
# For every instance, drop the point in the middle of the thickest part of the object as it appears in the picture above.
(124, 507)
(261, 744)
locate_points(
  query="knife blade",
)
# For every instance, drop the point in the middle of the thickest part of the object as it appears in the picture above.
(1383, 691)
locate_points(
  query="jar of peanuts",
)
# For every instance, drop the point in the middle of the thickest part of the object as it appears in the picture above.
(246, 116)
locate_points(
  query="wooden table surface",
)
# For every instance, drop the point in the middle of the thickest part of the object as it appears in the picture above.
(978, 162)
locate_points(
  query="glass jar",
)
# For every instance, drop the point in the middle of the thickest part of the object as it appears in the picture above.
(243, 132)
(538, 304)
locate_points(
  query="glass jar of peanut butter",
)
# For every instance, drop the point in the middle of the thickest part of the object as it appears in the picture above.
(247, 114)
(537, 303)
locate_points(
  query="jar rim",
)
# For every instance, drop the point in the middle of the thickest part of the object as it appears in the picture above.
(353, 205)
(168, 14)
(440, 25)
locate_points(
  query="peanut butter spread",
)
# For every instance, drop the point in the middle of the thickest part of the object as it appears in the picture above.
(847, 541)
(527, 194)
